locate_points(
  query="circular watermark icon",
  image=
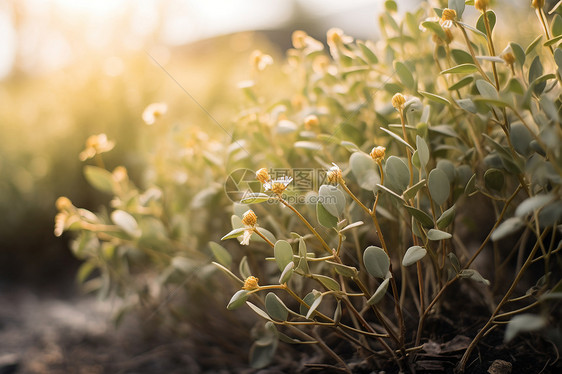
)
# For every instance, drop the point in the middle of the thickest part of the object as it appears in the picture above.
(240, 183)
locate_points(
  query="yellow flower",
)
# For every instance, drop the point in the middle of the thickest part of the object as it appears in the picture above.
(447, 18)
(507, 55)
(334, 174)
(398, 101)
(481, 5)
(537, 4)
(63, 203)
(278, 186)
(249, 218)
(251, 283)
(299, 39)
(263, 175)
(120, 174)
(95, 145)
(260, 60)
(378, 153)
(153, 112)
(310, 122)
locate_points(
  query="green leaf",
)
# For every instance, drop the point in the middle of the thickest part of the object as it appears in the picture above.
(379, 293)
(536, 71)
(494, 179)
(392, 193)
(460, 84)
(346, 271)
(474, 275)
(397, 174)
(420, 216)
(553, 41)
(244, 267)
(491, 18)
(455, 263)
(99, 178)
(314, 306)
(521, 138)
(423, 151)
(446, 218)
(439, 186)
(305, 144)
(525, 322)
(507, 227)
(328, 282)
(324, 217)
(237, 299)
(461, 57)
(434, 97)
(275, 307)
(254, 198)
(376, 261)
(436, 28)
(413, 255)
(556, 25)
(412, 191)
(467, 104)
(533, 44)
(259, 311)
(229, 273)
(350, 146)
(532, 204)
(486, 89)
(461, 69)
(287, 273)
(126, 222)
(234, 233)
(308, 299)
(398, 138)
(303, 263)
(220, 253)
(518, 52)
(363, 168)
(437, 235)
(368, 53)
(85, 270)
(283, 253)
(405, 75)
(263, 350)
(332, 199)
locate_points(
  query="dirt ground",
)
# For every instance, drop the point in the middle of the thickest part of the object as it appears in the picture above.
(67, 332)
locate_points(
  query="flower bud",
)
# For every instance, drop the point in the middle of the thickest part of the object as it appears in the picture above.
(249, 218)
(378, 153)
(263, 175)
(481, 5)
(251, 283)
(311, 122)
(537, 4)
(334, 174)
(299, 39)
(398, 101)
(63, 203)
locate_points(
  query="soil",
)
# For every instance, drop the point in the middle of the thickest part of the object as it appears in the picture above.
(66, 332)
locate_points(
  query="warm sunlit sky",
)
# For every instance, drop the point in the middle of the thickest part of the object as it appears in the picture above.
(49, 32)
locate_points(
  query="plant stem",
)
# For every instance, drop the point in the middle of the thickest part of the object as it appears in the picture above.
(301, 217)
(465, 357)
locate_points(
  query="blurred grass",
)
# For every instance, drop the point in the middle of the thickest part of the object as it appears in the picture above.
(46, 118)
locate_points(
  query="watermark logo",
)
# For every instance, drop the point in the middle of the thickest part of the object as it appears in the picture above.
(242, 184)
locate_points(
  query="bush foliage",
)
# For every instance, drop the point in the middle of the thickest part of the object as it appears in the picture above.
(371, 187)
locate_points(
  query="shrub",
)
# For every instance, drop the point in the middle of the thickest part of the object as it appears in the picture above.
(366, 187)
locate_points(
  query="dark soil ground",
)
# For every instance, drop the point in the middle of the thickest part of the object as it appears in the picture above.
(66, 332)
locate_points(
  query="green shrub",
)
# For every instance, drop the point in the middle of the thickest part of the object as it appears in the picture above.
(383, 173)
